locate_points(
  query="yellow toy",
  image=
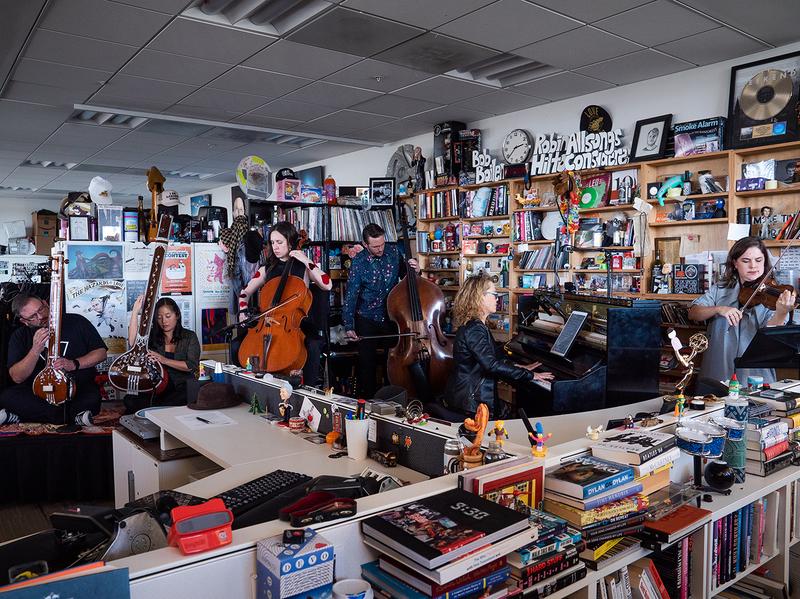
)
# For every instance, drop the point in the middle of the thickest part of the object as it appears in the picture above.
(500, 433)
(539, 437)
(477, 425)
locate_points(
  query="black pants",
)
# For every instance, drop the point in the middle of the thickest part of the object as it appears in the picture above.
(312, 370)
(20, 400)
(367, 350)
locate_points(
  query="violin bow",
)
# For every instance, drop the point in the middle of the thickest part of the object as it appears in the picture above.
(769, 272)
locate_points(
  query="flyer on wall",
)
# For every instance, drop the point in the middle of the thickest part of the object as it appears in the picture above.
(177, 273)
(102, 303)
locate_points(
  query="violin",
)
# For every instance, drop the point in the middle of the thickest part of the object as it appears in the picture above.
(277, 338)
(763, 292)
(52, 385)
(423, 357)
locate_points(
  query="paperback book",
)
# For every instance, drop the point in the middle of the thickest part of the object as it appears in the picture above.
(585, 477)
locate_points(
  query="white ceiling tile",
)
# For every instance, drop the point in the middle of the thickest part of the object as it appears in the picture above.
(105, 99)
(342, 123)
(712, 46)
(57, 75)
(395, 130)
(210, 42)
(562, 85)
(200, 112)
(78, 50)
(589, 12)
(300, 60)
(451, 113)
(656, 23)
(292, 109)
(43, 94)
(577, 48)
(773, 22)
(444, 90)
(141, 88)
(104, 20)
(86, 135)
(501, 102)
(320, 152)
(353, 32)
(421, 13)
(435, 53)
(173, 67)
(265, 121)
(331, 94)
(170, 7)
(396, 106)
(645, 64)
(225, 102)
(377, 75)
(508, 24)
(261, 83)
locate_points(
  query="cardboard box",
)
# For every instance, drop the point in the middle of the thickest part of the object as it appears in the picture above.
(44, 243)
(287, 190)
(44, 222)
(285, 571)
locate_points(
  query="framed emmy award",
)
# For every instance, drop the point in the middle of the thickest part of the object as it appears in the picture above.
(762, 107)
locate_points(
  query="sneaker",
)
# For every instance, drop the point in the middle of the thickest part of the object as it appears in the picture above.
(84, 418)
(7, 417)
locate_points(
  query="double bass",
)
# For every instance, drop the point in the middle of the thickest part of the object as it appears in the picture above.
(136, 371)
(422, 360)
(277, 338)
(52, 385)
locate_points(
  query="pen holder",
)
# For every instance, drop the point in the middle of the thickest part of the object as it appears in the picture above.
(356, 431)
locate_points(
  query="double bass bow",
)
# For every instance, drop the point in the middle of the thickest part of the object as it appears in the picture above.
(277, 338)
(136, 371)
(52, 385)
(423, 357)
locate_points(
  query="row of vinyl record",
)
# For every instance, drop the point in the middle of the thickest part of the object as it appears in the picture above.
(348, 223)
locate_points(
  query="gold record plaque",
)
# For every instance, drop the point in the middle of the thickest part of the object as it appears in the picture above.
(766, 94)
(763, 102)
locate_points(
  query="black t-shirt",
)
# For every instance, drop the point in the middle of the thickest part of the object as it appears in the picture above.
(296, 268)
(78, 338)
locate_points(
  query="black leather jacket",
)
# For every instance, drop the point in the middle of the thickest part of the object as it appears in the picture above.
(477, 368)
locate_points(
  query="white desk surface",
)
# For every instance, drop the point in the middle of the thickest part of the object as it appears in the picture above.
(251, 439)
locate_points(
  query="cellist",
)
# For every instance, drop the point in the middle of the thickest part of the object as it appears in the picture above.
(373, 274)
(283, 245)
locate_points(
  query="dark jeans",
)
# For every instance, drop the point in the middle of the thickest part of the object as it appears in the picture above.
(20, 400)
(367, 350)
(312, 371)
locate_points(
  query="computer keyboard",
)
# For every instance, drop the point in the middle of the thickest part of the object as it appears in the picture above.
(260, 499)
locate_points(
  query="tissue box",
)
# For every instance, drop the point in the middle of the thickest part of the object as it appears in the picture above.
(288, 570)
(750, 184)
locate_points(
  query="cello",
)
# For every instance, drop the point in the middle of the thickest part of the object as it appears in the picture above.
(423, 357)
(277, 337)
(52, 385)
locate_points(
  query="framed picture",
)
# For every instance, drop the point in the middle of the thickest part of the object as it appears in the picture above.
(79, 228)
(650, 138)
(198, 202)
(762, 104)
(381, 191)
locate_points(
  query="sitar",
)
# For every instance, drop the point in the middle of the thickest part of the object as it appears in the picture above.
(53, 385)
(136, 371)
(155, 183)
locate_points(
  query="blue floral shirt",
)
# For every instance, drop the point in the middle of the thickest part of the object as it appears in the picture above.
(369, 282)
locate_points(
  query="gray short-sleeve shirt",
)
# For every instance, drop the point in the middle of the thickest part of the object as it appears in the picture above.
(725, 343)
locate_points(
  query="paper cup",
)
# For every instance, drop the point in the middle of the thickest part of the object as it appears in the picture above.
(357, 438)
(352, 588)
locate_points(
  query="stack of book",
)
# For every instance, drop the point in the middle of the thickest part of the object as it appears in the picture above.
(673, 526)
(599, 498)
(451, 544)
(767, 445)
(552, 562)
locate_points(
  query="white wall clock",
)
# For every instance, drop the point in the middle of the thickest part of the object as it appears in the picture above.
(517, 146)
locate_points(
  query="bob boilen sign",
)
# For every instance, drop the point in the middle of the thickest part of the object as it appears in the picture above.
(553, 153)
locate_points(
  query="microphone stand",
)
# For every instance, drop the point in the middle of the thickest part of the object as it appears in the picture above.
(607, 254)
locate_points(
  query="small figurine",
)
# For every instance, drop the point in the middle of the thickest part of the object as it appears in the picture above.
(477, 425)
(593, 433)
(255, 407)
(285, 408)
(500, 432)
(539, 437)
(203, 375)
(680, 405)
(629, 422)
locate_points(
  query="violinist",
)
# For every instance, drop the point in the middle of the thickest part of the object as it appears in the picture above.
(175, 348)
(283, 246)
(730, 328)
(373, 274)
(82, 349)
(477, 363)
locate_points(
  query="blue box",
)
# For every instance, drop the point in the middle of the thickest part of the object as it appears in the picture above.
(305, 568)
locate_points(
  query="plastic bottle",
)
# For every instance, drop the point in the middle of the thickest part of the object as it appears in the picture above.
(734, 387)
(329, 189)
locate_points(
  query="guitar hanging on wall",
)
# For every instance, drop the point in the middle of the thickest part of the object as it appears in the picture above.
(136, 371)
(52, 385)
(155, 183)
